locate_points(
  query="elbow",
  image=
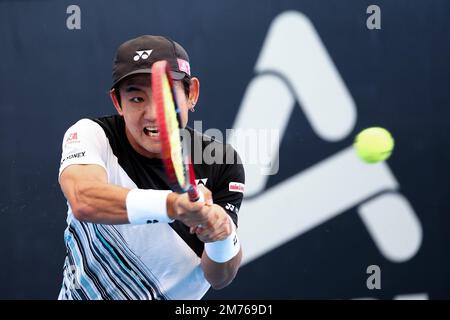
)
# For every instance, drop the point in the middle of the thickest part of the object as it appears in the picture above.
(221, 285)
(81, 212)
(226, 275)
(80, 209)
(223, 282)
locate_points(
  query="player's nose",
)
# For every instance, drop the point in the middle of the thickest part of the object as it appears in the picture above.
(150, 112)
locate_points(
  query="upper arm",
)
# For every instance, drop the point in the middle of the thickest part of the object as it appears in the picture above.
(73, 175)
(84, 156)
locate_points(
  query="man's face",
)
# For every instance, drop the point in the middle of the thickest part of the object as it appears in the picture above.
(138, 110)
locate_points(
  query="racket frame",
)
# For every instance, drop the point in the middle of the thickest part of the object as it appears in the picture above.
(161, 69)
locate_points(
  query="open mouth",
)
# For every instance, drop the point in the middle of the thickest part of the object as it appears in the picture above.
(151, 131)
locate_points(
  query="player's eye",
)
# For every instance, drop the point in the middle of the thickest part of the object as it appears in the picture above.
(137, 99)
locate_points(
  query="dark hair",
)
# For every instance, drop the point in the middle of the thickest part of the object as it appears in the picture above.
(186, 85)
(186, 81)
(117, 93)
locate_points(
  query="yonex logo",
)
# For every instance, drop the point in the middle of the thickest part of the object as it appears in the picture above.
(201, 181)
(142, 54)
(75, 155)
(230, 207)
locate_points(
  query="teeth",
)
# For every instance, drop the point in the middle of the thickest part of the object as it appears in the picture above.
(151, 131)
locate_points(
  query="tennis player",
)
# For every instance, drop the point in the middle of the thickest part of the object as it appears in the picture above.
(128, 236)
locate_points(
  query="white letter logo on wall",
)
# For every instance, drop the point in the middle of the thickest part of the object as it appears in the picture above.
(301, 70)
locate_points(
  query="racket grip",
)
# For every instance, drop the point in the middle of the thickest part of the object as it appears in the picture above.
(196, 195)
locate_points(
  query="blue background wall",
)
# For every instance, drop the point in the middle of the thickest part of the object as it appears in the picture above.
(398, 77)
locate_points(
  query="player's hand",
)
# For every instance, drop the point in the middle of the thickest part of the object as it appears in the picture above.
(218, 227)
(190, 213)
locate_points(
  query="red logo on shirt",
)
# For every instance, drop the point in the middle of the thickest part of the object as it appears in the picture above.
(72, 138)
(236, 187)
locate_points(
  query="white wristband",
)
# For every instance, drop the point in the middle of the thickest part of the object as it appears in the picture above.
(147, 206)
(224, 250)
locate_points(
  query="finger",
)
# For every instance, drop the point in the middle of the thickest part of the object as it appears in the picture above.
(207, 194)
(213, 218)
(214, 237)
(201, 231)
(219, 235)
(194, 206)
(215, 229)
(193, 230)
(220, 231)
(185, 204)
(205, 236)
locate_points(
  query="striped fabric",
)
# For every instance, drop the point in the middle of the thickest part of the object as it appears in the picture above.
(99, 265)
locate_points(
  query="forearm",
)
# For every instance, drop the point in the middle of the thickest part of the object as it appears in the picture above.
(105, 203)
(220, 275)
(93, 199)
(222, 254)
(99, 202)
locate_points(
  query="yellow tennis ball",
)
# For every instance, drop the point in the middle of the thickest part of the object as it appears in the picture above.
(374, 144)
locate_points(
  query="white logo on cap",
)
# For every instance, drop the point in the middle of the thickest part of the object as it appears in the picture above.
(144, 54)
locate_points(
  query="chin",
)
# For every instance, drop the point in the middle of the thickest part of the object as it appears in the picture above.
(154, 149)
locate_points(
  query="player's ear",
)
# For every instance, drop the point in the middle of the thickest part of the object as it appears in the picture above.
(113, 95)
(194, 92)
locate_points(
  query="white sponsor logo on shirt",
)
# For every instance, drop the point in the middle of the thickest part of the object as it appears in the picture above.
(201, 181)
(231, 207)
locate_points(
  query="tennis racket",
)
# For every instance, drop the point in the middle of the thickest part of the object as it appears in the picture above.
(175, 152)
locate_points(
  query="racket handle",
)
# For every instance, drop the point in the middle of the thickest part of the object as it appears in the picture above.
(196, 195)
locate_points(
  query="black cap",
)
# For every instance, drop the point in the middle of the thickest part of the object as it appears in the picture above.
(138, 55)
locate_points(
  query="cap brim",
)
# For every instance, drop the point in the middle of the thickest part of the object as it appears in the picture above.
(175, 75)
